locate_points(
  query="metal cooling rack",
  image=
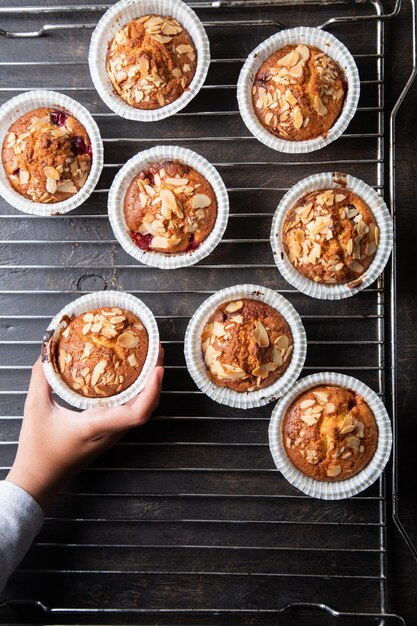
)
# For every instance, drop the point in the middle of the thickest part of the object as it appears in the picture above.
(186, 521)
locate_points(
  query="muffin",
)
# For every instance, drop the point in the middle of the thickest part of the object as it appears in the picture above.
(47, 155)
(329, 433)
(298, 93)
(101, 352)
(151, 61)
(330, 236)
(169, 208)
(246, 345)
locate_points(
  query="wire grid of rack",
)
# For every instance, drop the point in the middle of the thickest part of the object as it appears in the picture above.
(186, 521)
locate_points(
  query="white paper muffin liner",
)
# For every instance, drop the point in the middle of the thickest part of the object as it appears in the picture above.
(341, 489)
(118, 16)
(87, 303)
(195, 361)
(331, 180)
(11, 110)
(120, 186)
(311, 37)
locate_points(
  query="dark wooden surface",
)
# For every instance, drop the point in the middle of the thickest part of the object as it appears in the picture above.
(151, 465)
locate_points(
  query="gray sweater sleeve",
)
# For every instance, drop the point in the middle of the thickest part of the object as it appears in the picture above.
(21, 519)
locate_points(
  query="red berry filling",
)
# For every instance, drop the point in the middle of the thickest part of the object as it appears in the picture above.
(142, 241)
(58, 117)
(79, 146)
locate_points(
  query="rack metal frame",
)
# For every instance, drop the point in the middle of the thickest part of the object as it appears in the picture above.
(383, 317)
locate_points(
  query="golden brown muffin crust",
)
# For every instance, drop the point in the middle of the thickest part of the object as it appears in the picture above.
(47, 155)
(246, 345)
(101, 352)
(170, 208)
(299, 93)
(330, 236)
(151, 61)
(330, 433)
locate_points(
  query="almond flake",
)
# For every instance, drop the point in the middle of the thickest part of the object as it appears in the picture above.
(200, 201)
(132, 360)
(98, 371)
(260, 335)
(306, 404)
(232, 307)
(128, 340)
(23, 177)
(289, 59)
(51, 172)
(88, 317)
(334, 471)
(264, 369)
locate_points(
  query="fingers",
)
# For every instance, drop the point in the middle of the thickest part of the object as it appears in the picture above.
(39, 391)
(161, 355)
(147, 401)
(135, 413)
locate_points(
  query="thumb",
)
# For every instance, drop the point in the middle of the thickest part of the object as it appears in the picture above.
(134, 413)
(39, 391)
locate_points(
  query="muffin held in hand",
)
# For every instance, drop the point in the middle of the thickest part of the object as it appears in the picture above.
(330, 236)
(330, 433)
(299, 93)
(151, 61)
(246, 345)
(101, 352)
(170, 208)
(47, 155)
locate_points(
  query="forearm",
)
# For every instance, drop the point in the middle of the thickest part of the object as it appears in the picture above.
(21, 518)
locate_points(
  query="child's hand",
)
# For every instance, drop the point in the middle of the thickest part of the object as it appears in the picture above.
(55, 443)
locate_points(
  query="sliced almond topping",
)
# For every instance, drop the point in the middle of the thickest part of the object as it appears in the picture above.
(132, 360)
(117, 319)
(237, 318)
(67, 187)
(128, 340)
(321, 396)
(232, 307)
(86, 328)
(297, 118)
(306, 404)
(200, 201)
(183, 49)
(218, 329)
(260, 335)
(353, 442)
(309, 419)
(303, 52)
(51, 185)
(277, 356)
(98, 371)
(51, 172)
(289, 59)
(296, 71)
(23, 177)
(62, 360)
(210, 355)
(282, 342)
(263, 370)
(88, 317)
(330, 407)
(333, 471)
(160, 242)
(319, 106)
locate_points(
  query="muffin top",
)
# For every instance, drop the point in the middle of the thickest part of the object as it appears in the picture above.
(246, 345)
(169, 208)
(151, 61)
(298, 93)
(101, 352)
(330, 236)
(47, 155)
(329, 433)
